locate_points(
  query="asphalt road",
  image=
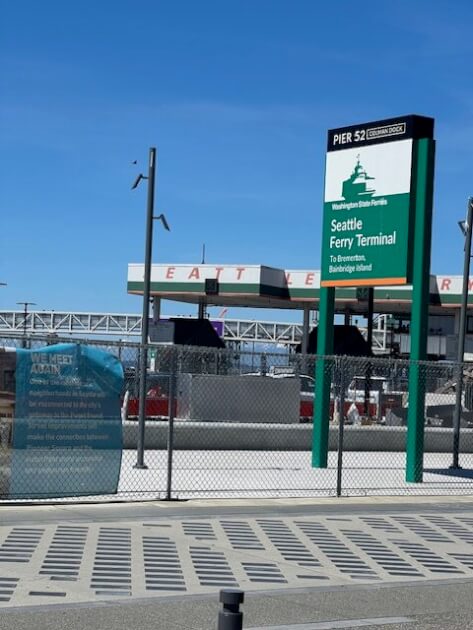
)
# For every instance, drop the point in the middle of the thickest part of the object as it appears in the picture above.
(440, 606)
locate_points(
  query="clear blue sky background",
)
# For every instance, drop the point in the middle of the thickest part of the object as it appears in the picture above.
(237, 96)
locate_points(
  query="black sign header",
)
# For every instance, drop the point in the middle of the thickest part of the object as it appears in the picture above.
(380, 131)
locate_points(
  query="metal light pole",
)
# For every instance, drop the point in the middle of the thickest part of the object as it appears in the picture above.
(466, 228)
(25, 304)
(146, 291)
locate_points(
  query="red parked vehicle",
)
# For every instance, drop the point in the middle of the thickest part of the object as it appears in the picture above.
(157, 397)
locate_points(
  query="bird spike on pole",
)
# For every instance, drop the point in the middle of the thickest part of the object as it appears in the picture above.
(163, 220)
(138, 180)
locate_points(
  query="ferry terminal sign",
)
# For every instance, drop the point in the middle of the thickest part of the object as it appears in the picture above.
(369, 201)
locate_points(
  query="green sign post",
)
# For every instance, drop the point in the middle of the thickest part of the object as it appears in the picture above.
(376, 232)
(423, 185)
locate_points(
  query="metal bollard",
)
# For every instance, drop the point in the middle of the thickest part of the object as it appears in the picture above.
(230, 617)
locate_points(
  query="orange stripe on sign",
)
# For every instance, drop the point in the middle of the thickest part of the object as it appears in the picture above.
(372, 282)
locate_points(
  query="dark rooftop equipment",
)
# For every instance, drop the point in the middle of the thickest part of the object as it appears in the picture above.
(186, 332)
(347, 341)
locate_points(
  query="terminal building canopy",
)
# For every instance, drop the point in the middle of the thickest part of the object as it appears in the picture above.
(260, 286)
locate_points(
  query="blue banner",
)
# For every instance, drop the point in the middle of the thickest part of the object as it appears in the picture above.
(67, 430)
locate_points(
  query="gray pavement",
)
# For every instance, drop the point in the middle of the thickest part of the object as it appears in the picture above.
(303, 564)
(440, 606)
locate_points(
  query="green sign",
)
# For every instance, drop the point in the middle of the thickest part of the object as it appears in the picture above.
(377, 231)
(367, 222)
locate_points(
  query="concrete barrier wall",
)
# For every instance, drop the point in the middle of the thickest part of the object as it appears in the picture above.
(214, 398)
(189, 435)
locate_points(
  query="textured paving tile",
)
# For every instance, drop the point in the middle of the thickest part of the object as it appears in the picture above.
(83, 562)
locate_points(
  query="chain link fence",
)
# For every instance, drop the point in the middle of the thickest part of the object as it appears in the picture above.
(374, 394)
(236, 423)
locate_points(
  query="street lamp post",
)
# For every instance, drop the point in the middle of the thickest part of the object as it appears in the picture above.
(25, 315)
(146, 298)
(466, 228)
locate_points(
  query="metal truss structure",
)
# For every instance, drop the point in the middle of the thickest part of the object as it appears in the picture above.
(125, 326)
(238, 330)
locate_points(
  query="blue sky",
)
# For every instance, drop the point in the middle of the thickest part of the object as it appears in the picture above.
(237, 96)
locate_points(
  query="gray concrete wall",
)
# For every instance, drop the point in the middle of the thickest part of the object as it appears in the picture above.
(214, 398)
(190, 435)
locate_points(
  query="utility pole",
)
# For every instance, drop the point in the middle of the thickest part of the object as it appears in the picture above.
(146, 300)
(466, 228)
(25, 315)
(369, 339)
(202, 310)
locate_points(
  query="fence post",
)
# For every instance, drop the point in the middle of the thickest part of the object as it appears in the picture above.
(457, 416)
(367, 396)
(136, 380)
(170, 437)
(341, 380)
(230, 617)
(263, 364)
